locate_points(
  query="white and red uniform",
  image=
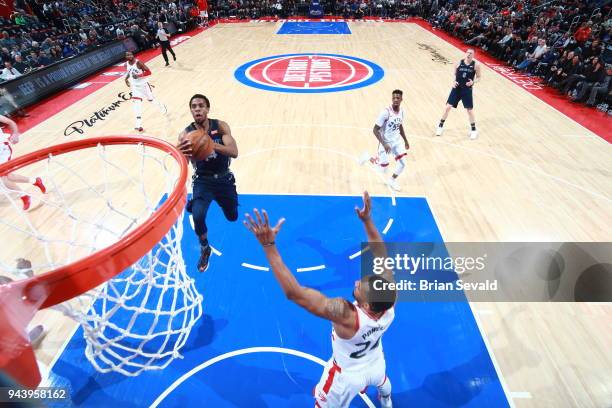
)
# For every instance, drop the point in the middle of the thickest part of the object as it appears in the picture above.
(356, 363)
(140, 86)
(389, 122)
(5, 148)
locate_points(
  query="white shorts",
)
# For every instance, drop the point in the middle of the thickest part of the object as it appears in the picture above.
(398, 150)
(337, 388)
(142, 91)
(5, 152)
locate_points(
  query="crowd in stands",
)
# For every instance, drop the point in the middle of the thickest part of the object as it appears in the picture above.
(567, 43)
(41, 32)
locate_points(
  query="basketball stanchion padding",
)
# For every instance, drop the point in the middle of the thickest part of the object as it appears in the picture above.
(113, 259)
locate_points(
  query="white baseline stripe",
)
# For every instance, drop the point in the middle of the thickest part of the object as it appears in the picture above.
(235, 353)
(258, 268)
(389, 223)
(311, 268)
(358, 253)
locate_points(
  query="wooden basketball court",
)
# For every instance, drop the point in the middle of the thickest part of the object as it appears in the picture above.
(532, 175)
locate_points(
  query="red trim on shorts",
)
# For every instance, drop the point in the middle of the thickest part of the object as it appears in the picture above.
(364, 390)
(384, 165)
(384, 381)
(317, 405)
(8, 144)
(330, 377)
(135, 97)
(400, 156)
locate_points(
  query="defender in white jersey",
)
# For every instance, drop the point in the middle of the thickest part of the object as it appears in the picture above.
(11, 180)
(389, 131)
(357, 328)
(135, 78)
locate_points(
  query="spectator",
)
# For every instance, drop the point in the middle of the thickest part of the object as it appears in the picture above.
(19, 65)
(571, 75)
(583, 33)
(535, 56)
(593, 74)
(9, 72)
(602, 88)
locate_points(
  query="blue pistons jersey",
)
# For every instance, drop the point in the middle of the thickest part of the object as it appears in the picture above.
(215, 163)
(465, 73)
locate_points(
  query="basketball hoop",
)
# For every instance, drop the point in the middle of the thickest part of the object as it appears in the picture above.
(100, 236)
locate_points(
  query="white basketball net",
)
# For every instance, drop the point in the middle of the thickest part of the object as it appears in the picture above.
(141, 319)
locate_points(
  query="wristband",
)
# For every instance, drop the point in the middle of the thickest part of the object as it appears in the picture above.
(269, 244)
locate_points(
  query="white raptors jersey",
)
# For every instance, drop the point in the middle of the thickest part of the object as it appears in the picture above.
(365, 347)
(133, 69)
(5, 147)
(389, 122)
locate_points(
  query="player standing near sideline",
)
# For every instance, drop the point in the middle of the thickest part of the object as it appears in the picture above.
(213, 179)
(10, 180)
(467, 73)
(357, 328)
(389, 131)
(135, 78)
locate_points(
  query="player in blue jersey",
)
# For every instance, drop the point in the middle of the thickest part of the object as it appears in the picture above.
(213, 180)
(467, 73)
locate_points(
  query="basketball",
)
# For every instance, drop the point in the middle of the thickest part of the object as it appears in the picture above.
(202, 144)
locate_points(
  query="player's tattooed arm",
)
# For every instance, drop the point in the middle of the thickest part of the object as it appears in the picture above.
(310, 299)
(337, 309)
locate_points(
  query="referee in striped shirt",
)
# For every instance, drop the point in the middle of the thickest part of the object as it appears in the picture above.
(164, 41)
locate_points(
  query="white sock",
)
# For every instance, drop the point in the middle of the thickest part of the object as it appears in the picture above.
(137, 105)
(385, 388)
(401, 165)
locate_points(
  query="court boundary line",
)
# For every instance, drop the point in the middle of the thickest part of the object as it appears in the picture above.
(483, 335)
(249, 350)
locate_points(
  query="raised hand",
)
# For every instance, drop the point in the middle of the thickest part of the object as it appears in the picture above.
(364, 212)
(261, 227)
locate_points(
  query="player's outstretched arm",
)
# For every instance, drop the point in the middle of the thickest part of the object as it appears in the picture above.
(377, 245)
(229, 146)
(337, 309)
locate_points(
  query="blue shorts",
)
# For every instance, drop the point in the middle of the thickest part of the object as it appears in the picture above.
(461, 94)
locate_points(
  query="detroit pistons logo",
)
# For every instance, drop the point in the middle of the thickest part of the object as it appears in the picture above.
(309, 73)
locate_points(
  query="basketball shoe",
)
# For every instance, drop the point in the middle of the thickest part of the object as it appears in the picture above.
(204, 256)
(473, 134)
(439, 131)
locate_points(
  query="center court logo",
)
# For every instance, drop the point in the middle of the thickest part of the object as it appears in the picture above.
(309, 73)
